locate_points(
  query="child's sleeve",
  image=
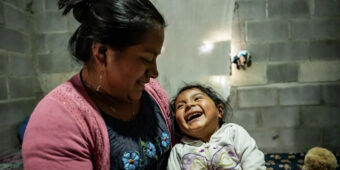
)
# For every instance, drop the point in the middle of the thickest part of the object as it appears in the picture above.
(174, 161)
(251, 158)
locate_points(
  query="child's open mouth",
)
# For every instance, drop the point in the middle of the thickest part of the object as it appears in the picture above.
(193, 116)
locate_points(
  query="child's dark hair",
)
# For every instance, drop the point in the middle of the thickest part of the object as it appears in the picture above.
(217, 99)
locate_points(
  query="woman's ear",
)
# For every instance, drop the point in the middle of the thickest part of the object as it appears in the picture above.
(99, 53)
(220, 110)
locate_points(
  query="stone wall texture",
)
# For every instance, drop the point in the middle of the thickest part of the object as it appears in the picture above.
(289, 99)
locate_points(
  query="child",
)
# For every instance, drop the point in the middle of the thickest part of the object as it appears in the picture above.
(207, 142)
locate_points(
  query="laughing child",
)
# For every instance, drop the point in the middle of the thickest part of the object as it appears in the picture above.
(206, 141)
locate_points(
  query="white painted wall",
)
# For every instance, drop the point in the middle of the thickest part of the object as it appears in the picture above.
(197, 44)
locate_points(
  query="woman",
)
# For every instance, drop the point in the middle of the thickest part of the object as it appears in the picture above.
(113, 114)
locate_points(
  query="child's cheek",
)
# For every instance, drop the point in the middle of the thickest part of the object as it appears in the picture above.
(180, 119)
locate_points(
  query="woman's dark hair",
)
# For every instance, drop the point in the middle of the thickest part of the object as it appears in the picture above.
(215, 97)
(117, 23)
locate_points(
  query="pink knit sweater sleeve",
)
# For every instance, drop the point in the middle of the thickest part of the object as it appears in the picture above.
(66, 131)
(53, 140)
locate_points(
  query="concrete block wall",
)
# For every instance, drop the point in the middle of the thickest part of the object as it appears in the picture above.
(289, 99)
(17, 76)
(295, 71)
(33, 60)
(52, 31)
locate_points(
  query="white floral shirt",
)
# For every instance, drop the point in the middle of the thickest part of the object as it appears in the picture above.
(230, 147)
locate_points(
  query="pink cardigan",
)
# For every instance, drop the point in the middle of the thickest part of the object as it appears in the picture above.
(66, 130)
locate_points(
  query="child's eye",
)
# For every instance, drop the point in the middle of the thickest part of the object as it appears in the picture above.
(179, 106)
(197, 98)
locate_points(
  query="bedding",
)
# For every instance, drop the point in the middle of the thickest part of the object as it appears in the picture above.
(274, 161)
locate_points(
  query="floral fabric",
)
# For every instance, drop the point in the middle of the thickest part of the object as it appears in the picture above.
(142, 143)
(230, 147)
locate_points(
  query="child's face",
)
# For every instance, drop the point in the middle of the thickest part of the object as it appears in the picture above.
(197, 114)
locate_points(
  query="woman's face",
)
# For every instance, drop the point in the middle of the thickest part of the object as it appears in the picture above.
(129, 70)
(196, 114)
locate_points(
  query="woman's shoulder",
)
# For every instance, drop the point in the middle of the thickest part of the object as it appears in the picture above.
(67, 105)
(67, 89)
(56, 95)
(69, 93)
(68, 98)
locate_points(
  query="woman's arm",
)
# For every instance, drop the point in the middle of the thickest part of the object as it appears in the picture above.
(53, 140)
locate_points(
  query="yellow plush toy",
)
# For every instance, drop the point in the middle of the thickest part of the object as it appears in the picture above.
(319, 158)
